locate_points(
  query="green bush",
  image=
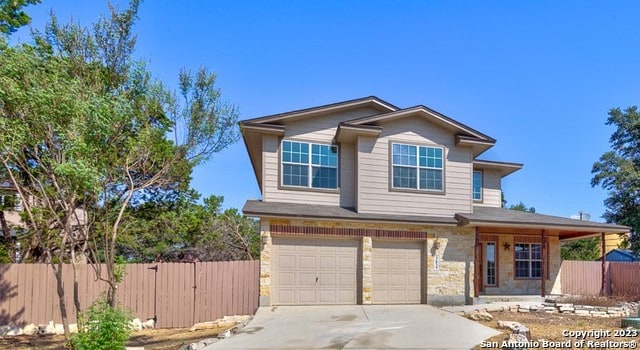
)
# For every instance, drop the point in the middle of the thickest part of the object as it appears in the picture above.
(102, 327)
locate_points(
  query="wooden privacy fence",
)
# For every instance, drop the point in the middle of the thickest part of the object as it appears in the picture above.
(176, 294)
(585, 278)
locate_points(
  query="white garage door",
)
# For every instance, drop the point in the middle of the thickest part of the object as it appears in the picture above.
(397, 275)
(313, 271)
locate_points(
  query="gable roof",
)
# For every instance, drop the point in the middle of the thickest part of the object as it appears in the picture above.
(370, 101)
(428, 113)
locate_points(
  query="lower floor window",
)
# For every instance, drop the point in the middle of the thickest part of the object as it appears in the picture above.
(528, 260)
(490, 269)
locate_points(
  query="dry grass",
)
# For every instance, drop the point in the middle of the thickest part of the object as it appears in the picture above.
(550, 326)
(150, 339)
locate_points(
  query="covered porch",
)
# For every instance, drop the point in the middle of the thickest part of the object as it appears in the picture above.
(518, 253)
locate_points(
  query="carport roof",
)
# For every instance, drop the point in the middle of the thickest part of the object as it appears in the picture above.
(315, 211)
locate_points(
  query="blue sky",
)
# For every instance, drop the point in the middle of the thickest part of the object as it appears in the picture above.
(539, 76)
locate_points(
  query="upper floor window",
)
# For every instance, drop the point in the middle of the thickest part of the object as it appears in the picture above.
(477, 185)
(309, 165)
(417, 167)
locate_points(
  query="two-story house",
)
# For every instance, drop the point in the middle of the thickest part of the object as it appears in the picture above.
(364, 202)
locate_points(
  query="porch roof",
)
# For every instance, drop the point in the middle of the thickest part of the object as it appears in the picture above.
(500, 217)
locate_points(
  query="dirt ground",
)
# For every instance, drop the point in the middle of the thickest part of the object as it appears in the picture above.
(550, 327)
(149, 338)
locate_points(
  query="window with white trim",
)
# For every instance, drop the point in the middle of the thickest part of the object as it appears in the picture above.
(417, 167)
(309, 165)
(477, 185)
(528, 260)
(490, 264)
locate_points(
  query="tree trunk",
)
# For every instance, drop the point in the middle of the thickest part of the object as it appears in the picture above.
(76, 291)
(111, 294)
(60, 289)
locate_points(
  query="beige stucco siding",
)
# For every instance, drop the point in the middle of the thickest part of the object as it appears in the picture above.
(347, 175)
(375, 195)
(491, 189)
(322, 128)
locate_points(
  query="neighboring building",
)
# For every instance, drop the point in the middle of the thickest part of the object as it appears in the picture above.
(613, 240)
(621, 255)
(11, 205)
(364, 202)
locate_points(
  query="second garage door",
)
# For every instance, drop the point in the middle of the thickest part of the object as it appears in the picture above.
(314, 271)
(397, 273)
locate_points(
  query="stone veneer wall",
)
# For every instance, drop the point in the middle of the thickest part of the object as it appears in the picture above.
(265, 263)
(367, 271)
(450, 266)
(449, 282)
(508, 285)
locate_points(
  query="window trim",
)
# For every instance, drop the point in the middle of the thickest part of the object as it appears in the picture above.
(417, 167)
(282, 186)
(481, 199)
(542, 267)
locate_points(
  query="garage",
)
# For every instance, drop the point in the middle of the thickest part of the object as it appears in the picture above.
(314, 271)
(397, 273)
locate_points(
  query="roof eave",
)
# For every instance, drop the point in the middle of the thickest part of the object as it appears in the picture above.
(504, 167)
(348, 133)
(328, 217)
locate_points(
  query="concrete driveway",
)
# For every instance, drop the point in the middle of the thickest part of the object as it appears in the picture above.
(357, 327)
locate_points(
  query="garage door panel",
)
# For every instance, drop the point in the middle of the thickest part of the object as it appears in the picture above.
(307, 296)
(327, 279)
(397, 272)
(286, 279)
(306, 279)
(323, 270)
(346, 263)
(307, 262)
(397, 280)
(397, 264)
(327, 296)
(327, 262)
(286, 262)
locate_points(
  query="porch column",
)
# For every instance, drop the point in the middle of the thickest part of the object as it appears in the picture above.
(543, 251)
(476, 265)
(603, 288)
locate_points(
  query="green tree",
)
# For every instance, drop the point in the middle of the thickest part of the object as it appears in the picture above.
(522, 207)
(582, 249)
(89, 133)
(175, 227)
(12, 15)
(618, 172)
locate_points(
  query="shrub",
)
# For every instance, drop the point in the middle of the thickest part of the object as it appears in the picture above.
(102, 327)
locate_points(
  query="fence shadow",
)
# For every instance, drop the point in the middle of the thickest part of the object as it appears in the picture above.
(7, 292)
